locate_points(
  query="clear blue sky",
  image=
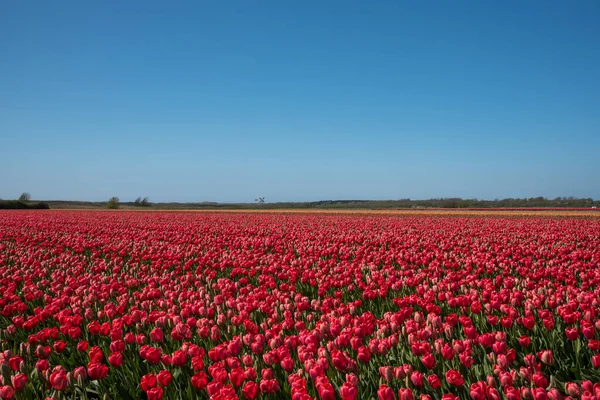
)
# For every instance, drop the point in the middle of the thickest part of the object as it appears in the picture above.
(299, 100)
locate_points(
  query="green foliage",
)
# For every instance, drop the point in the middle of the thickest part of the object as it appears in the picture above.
(113, 203)
(139, 202)
(25, 197)
(21, 205)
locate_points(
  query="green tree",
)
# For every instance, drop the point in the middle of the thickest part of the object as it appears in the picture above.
(25, 197)
(139, 202)
(113, 203)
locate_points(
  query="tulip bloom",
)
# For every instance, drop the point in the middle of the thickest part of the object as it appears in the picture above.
(385, 393)
(454, 378)
(348, 391)
(434, 381)
(19, 381)
(7, 392)
(148, 382)
(428, 361)
(115, 359)
(58, 380)
(250, 390)
(164, 377)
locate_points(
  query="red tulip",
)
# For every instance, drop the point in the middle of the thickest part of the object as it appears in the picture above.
(540, 394)
(587, 386)
(554, 394)
(179, 359)
(164, 377)
(416, 378)
(572, 333)
(82, 346)
(250, 390)
(7, 392)
(524, 341)
(511, 393)
(597, 390)
(237, 377)
(572, 389)
(268, 386)
(385, 393)
(386, 373)
(447, 352)
(364, 355)
(156, 393)
(405, 394)
(434, 381)
(15, 362)
(348, 391)
(115, 359)
(156, 335)
(19, 381)
(60, 346)
(148, 381)
(449, 396)
(546, 356)
(540, 380)
(58, 380)
(199, 380)
(428, 361)
(96, 355)
(80, 374)
(454, 378)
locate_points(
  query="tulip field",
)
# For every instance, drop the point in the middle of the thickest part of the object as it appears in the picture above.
(164, 305)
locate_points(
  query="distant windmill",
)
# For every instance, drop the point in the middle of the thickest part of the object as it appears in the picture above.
(260, 200)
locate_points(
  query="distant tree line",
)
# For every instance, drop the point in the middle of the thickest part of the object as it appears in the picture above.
(19, 205)
(114, 203)
(531, 202)
(23, 203)
(456, 202)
